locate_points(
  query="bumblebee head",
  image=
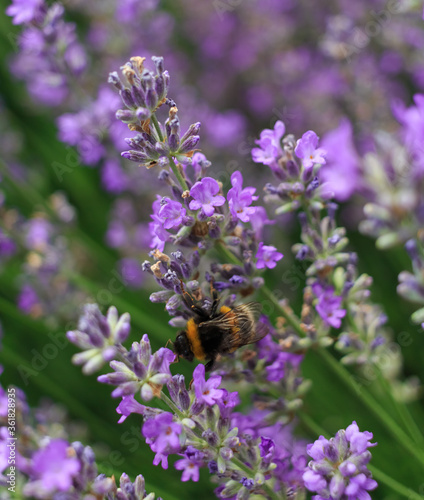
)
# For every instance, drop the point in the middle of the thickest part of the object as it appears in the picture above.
(182, 347)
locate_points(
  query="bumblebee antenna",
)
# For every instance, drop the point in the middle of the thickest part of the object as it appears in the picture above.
(188, 298)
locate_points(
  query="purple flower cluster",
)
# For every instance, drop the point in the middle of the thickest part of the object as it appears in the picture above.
(139, 371)
(296, 164)
(41, 244)
(89, 129)
(53, 467)
(334, 288)
(205, 432)
(98, 336)
(205, 197)
(49, 50)
(145, 93)
(339, 466)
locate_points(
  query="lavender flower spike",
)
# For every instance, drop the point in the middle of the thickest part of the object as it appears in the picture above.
(339, 466)
(98, 336)
(141, 371)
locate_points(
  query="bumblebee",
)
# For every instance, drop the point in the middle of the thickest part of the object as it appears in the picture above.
(222, 331)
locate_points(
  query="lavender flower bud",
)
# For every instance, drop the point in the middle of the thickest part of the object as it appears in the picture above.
(158, 62)
(127, 98)
(138, 96)
(142, 113)
(115, 80)
(151, 94)
(189, 144)
(161, 296)
(126, 116)
(137, 156)
(211, 437)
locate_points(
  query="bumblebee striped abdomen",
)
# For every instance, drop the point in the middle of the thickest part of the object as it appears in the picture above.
(194, 339)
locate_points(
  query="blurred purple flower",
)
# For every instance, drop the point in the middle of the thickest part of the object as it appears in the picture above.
(114, 177)
(53, 467)
(38, 233)
(25, 11)
(7, 245)
(131, 272)
(341, 170)
(276, 371)
(89, 128)
(27, 299)
(224, 129)
(258, 220)
(128, 11)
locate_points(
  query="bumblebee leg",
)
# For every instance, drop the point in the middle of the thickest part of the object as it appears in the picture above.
(190, 302)
(215, 299)
(209, 365)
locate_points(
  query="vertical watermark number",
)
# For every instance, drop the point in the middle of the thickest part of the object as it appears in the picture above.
(11, 438)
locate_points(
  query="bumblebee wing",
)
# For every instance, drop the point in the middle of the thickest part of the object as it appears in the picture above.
(252, 309)
(239, 327)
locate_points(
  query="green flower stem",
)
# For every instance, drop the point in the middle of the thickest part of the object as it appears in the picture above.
(377, 474)
(372, 405)
(223, 249)
(174, 168)
(403, 411)
(171, 404)
(155, 122)
(177, 174)
(291, 318)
